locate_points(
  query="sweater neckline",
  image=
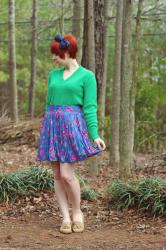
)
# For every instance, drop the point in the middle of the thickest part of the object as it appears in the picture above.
(62, 73)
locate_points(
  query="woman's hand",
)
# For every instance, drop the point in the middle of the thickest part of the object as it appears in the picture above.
(100, 143)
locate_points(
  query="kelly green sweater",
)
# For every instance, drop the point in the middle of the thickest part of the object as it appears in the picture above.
(80, 88)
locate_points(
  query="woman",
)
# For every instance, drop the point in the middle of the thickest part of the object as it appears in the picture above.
(69, 125)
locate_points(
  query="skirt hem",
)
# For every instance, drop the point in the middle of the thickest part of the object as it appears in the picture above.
(70, 161)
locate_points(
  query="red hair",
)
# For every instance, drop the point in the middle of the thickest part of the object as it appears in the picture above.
(71, 50)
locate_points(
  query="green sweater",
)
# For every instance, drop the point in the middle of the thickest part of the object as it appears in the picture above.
(80, 88)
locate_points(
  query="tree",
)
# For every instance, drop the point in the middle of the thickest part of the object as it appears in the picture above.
(88, 58)
(85, 59)
(103, 87)
(126, 78)
(77, 26)
(135, 59)
(115, 100)
(12, 61)
(61, 24)
(91, 39)
(101, 8)
(99, 42)
(33, 59)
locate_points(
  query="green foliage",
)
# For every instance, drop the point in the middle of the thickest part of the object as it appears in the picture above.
(151, 87)
(23, 74)
(89, 194)
(3, 77)
(122, 194)
(3, 56)
(105, 124)
(147, 100)
(83, 182)
(151, 195)
(146, 136)
(24, 182)
(46, 32)
(145, 194)
(147, 125)
(35, 179)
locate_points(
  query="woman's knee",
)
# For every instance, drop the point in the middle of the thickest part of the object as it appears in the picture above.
(56, 170)
(67, 172)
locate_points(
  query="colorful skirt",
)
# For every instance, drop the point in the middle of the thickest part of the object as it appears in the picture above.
(64, 135)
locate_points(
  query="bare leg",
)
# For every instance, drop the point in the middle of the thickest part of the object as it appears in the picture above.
(67, 193)
(60, 192)
(72, 187)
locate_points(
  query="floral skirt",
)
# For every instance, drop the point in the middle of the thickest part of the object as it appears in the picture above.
(64, 135)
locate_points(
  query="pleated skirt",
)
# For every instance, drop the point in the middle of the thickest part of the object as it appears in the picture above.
(64, 135)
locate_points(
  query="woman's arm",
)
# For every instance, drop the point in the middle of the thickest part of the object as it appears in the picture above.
(47, 96)
(90, 104)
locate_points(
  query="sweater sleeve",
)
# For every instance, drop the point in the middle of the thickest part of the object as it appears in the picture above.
(47, 96)
(90, 105)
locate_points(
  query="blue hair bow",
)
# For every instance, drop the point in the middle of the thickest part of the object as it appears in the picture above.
(63, 43)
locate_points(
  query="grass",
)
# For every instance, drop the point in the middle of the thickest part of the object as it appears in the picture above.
(24, 182)
(145, 194)
(35, 179)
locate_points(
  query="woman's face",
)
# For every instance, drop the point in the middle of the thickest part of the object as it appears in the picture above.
(59, 61)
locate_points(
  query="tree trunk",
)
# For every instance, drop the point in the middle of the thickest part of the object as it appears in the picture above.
(33, 60)
(78, 12)
(103, 87)
(12, 62)
(101, 8)
(88, 56)
(62, 18)
(115, 101)
(125, 133)
(91, 41)
(85, 57)
(88, 59)
(135, 76)
(99, 44)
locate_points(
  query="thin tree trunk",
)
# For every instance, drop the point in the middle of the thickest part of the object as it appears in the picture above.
(115, 101)
(12, 62)
(33, 60)
(125, 133)
(85, 57)
(62, 18)
(135, 75)
(91, 41)
(88, 56)
(102, 91)
(78, 12)
(88, 59)
(103, 88)
(99, 44)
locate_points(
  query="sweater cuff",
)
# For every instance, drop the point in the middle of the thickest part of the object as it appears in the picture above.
(93, 134)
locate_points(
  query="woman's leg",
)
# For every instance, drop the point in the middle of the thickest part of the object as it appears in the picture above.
(60, 192)
(72, 187)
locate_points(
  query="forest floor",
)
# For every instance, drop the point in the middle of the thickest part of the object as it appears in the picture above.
(33, 222)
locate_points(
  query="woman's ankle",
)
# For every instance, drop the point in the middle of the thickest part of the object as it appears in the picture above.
(77, 215)
(66, 219)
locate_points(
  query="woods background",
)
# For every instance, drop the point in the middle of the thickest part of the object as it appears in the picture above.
(122, 42)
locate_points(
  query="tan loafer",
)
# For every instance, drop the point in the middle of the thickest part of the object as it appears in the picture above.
(78, 226)
(66, 227)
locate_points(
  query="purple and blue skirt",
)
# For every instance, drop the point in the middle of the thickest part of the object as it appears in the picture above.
(64, 135)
